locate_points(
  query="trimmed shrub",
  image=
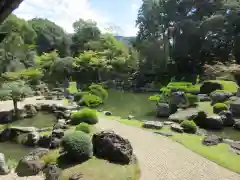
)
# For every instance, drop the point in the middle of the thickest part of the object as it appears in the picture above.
(78, 96)
(84, 127)
(189, 126)
(98, 90)
(90, 100)
(155, 97)
(192, 99)
(85, 115)
(218, 107)
(77, 146)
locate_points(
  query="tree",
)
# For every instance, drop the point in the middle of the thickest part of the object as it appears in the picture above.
(17, 91)
(50, 37)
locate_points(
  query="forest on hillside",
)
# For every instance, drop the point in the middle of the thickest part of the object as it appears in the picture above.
(176, 40)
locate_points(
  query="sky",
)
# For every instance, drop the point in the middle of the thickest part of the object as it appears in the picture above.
(117, 16)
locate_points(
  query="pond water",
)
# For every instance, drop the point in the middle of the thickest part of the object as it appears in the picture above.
(41, 120)
(15, 151)
(137, 104)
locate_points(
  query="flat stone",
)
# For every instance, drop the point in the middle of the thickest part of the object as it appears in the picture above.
(167, 134)
(152, 125)
(24, 129)
(177, 128)
(182, 115)
(236, 146)
(168, 122)
(212, 140)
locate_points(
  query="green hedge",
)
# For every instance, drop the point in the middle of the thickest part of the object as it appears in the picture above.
(90, 100)
(98, 90)
(218, 107)
(84, 127)
(84, 115)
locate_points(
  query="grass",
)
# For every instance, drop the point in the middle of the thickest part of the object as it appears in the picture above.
(206, 107)
(95, 169)
(228, 86)
(219, 154)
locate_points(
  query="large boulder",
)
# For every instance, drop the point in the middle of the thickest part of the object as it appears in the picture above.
(29, 166)
(30, 110)
(204, 97)
(44, 141)
(58, 133)
(110, 146)
(214, 122)
(235, 107)
(3, 165)
(153, 125)
(237, 125)
(177, 128)
(163, 110)
(55, 143)
(227, 118)
(218, 96)
(52, 172)
(212, 140)
(178, 98)
(32, 139)
(182, 115)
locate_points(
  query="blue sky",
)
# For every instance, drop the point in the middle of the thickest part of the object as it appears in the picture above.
(119, 16)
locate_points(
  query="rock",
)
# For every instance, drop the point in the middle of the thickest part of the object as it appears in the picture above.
(201, 132)
(59, 114)
(32, 139)
(52, 172)
(217, 97)
(30, 110)
(3, 165)
(7, 135)
(6, 117)
(182, 115)
(236, 146)
(29, 166)
(177, 128)
(212, 140)
(58, 133)
(59, 124)
(55, 143)
(24, 129)
(168, 123)
(46, 107)
(130, 117)
(163, 110)
(228, 141)
(209, 87)
(44, 141)
(227, 118)
(107, 113)
(153, 125)
(112, 147)
(39, 152)
(235, 107)
(214, 122)
(238, 93)
(167, 134)
(237, 125)
(76, 176)
(204, 97)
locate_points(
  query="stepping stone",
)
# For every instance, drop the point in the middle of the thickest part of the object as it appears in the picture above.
(168, 122)
(212, 140)
(177, 128)
(166, 134)
(152, 125)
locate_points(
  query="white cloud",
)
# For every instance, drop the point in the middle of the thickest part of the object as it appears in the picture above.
(62, 12)
(65, 12)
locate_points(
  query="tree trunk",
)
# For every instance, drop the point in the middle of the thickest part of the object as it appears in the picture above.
(15, 108)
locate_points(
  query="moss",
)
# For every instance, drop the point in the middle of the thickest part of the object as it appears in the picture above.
(218, 107)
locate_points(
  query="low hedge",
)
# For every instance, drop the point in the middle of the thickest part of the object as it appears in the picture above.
(90, 100)
(86, 115)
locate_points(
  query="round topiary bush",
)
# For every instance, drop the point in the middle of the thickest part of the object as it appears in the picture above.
(86, 115)
(77, 146)
(98, 90)
(189, 126)
(218, 107)
(84, 127)
(90, 100)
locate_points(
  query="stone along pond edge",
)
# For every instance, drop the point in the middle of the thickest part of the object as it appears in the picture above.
(218, 151)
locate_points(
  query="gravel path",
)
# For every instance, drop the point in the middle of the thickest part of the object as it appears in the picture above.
(159, 158)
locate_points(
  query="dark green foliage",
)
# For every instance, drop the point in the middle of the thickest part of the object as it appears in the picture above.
(189, 126)
(90, 100)
(84, 127)
(208, 87)
(98, 90)
(84, 115)
(77, 146)
(192, 99)
(78, 96)
(218, 107)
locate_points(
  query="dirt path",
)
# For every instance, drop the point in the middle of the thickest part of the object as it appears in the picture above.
(160, 158)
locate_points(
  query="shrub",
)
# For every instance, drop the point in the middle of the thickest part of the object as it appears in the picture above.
(51, 157)
(218, 107)
(90, 100)
(84, 127)
(85, 115)
(98, 90)
(189, 126)
(77, 146)
(155, 97)
(192, 99)
(78, 96)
